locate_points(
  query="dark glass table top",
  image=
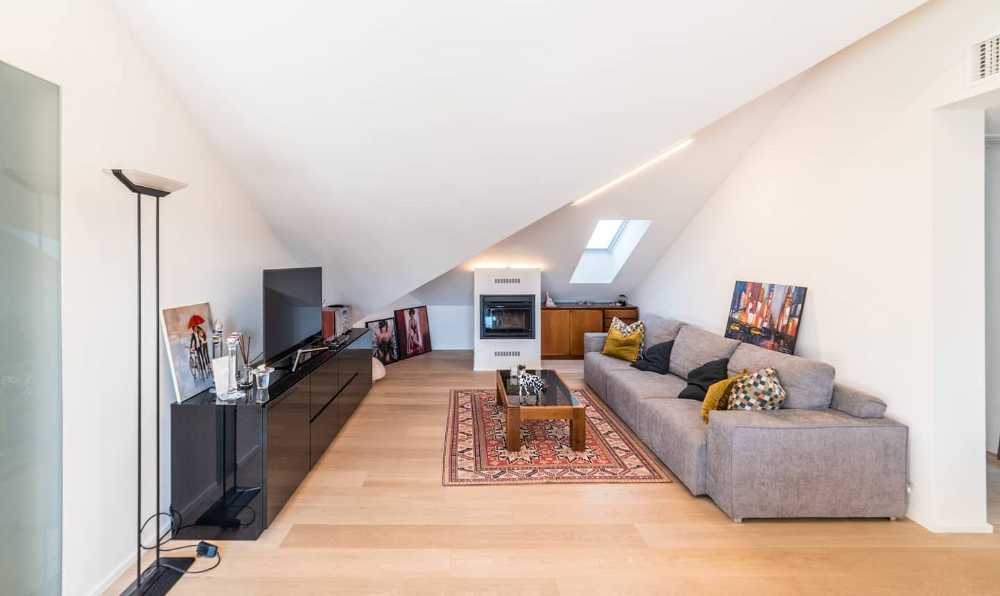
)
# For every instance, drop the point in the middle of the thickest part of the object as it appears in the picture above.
(556, 392)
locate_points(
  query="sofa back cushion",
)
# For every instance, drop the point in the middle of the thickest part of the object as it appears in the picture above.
(694, 347)
(659, 330)
(808, 383)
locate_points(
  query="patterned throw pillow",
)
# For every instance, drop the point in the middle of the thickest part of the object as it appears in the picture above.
(627, 329)
(759, 390)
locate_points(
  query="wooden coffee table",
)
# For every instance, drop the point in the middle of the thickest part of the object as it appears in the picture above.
(557, 402)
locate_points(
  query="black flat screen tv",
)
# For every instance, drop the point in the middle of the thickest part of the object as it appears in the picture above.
(293, 302)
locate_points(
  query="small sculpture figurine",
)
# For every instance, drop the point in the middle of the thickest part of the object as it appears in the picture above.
(530, 384)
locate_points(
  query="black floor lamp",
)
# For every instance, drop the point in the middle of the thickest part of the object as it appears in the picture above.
(162, 573)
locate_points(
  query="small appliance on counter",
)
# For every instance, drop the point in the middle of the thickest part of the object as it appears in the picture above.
(622, 300)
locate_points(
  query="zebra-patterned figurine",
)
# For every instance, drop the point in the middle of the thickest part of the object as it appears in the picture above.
(530, 384)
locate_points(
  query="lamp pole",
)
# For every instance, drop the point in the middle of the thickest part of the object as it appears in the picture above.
(162, 574)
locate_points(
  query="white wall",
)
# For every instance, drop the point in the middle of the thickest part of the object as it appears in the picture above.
(116, 112)
(448, 299)
(450, 324)
(958, 399)
(992, 296)
(846, 195)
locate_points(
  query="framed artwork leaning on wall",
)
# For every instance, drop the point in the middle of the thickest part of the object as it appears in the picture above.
(766, 315)
(385, 339)
(413, 331)
(186, 333)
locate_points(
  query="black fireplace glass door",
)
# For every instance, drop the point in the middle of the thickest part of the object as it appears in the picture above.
(507, 317)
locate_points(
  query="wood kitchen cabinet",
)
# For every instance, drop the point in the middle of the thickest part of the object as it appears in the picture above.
(555, 333)
(563, 327)
(583, 321)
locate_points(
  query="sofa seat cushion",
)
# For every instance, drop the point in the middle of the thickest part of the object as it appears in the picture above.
(626, 388)
(798, 419)
(694, 347)
(596, 367)
(674, 430)
(808, 383)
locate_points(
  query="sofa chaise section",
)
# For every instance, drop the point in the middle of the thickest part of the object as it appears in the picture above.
(806, 463)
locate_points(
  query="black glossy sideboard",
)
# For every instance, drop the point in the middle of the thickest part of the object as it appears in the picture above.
(234, 465)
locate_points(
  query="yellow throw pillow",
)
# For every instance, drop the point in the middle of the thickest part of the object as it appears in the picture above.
(717, 396)
(621, 346)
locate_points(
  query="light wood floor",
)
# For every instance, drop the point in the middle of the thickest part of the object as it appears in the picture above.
(373, 517)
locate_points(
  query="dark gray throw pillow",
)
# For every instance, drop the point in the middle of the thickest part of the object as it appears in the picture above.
(702, 377)
(655, 358)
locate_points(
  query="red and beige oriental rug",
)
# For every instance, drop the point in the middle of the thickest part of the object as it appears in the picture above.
(475, 451)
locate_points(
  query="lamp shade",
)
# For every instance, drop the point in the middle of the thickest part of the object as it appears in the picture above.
(144, 183)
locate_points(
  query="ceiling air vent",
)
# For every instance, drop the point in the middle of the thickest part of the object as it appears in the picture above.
(986, 59)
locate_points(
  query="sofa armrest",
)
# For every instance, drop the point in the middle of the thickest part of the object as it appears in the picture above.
(806, 463)
(594, 342)
(857, 403)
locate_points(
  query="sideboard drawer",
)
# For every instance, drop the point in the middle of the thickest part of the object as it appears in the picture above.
(621, 313)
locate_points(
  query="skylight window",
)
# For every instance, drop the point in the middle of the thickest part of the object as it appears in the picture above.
(605, 234)
(609, 248)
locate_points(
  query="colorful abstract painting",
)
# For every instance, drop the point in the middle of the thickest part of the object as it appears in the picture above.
(187, 334)
(766, 315)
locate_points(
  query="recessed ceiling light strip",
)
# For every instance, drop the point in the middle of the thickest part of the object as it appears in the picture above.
(673, 150)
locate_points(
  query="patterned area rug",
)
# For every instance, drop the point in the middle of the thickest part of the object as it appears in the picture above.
(475, 447)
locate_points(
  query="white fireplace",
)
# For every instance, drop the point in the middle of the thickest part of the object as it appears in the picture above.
(507, 331)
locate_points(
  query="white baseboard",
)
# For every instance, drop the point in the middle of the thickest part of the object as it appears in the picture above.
(113, 576)
(127, 563)
(983, 528)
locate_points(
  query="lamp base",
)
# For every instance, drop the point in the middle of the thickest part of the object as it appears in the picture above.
(158, 579)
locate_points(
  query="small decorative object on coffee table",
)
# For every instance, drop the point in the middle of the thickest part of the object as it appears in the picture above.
(530, 384)
(554, 402)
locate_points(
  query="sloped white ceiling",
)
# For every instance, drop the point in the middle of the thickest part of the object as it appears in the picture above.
(389, 141)
(669, 194)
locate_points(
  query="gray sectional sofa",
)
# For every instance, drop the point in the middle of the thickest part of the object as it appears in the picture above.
(829, 452)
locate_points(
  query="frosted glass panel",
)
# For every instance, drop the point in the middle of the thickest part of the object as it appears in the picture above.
(30, 401)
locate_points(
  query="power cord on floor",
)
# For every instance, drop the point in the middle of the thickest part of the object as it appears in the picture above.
(202, 549)
(217, 555)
